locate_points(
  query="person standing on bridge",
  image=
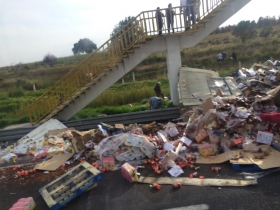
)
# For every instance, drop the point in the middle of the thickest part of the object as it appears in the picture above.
(170, 17)
(197, 10)
(188, 12)
(159, 18)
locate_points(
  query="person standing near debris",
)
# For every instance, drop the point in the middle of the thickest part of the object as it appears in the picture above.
(224, 55)
(233, 55)
(159, 16)
(220, 57)
(155, 103)
(157, 89)
(170, 18)
(276, 63)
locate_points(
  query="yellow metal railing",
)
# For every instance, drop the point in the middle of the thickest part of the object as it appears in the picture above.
(148, 24)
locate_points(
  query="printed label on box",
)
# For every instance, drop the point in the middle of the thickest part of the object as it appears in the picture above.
(173, 131)
(148, 148)
(134, 140)
(167, 146)
(264, 137)
(175, 171)
(186, 140)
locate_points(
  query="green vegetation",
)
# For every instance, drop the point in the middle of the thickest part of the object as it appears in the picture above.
(17, 81)
(245, 30)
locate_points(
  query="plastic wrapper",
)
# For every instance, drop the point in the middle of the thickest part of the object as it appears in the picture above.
(241, 85)
(219, 100)
(222, 115)
(232, 123)
(207, 150)
(68, 134)
(201, 135)
(135, 140)
(214, 139)
(171, 129)
(209, 117)
(225, 144)
(249, 146)
(269, 109)
(252, 83)
(259, 174)
(54, 150)
(41, 153)
(241, 112)
(110, 145)
(8, 156)
(241, 74)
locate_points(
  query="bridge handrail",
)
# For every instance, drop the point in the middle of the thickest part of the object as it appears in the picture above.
(141, 27)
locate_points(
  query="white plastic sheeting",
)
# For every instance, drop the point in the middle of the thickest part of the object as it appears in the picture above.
(203, 84)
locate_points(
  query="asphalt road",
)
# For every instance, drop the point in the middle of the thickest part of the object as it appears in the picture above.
(115, 193)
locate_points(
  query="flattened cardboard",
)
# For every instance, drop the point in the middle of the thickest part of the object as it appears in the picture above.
(243, 160)
(81, 138)
(206, 105)
(270, 161)
(54, 163)
(58, 131)
(221, 158)
(219, 93)
(119, 126)
(278, 76)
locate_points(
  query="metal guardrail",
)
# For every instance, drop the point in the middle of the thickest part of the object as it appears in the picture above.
(146, 25)
(15, 134)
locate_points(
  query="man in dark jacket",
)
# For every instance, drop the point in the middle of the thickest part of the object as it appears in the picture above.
(159, 16)
(233, 55)
(155, 103)
(157, 89)
(170, 17)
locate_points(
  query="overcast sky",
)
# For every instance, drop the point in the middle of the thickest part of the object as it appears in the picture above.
(29, 29)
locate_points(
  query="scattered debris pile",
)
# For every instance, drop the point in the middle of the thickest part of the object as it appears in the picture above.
(241, 129)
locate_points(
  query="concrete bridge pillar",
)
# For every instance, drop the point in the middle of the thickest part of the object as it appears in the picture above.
(173, 58)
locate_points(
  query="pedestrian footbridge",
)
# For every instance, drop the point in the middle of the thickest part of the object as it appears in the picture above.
(126, 49)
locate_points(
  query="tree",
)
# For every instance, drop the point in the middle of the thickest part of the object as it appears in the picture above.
(84, 46)
(50, 59)
(121, 24)
(265, 32)
(245, 30)
(125, 33)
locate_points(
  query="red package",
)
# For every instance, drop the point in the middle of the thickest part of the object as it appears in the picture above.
(273, 117)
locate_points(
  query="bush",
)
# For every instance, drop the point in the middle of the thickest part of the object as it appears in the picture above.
(15, 92)
(4, 122)
(50, 59)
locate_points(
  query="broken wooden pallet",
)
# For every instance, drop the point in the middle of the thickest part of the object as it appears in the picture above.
(67, 187)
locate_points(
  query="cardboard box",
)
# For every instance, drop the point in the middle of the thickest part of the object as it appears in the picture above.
(129, 172)
(81, 138)
(119, 126)
(108, 163)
